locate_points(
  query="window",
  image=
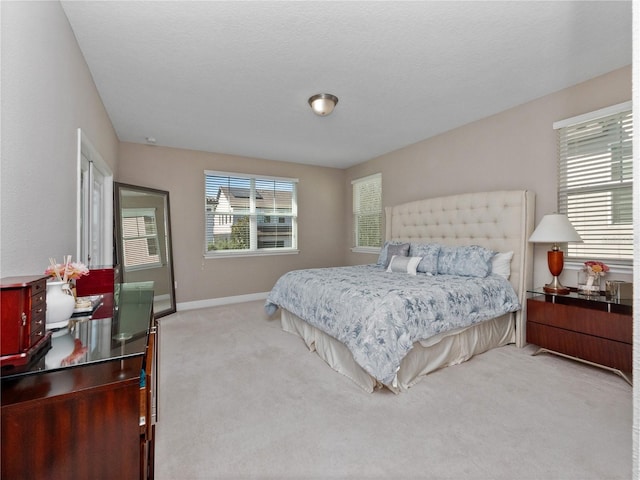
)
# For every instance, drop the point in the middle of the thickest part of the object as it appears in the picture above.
(367, 211)
(595, 183)
(240, 211)
(141, 247)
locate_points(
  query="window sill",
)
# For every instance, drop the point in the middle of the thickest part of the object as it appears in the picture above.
(250, 253)
(370, 250)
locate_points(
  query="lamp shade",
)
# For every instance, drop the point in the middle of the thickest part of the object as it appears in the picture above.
(554, 228)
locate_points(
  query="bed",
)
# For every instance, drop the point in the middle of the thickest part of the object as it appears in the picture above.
(421, 334)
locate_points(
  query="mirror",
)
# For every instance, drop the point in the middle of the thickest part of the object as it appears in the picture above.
(143, 243)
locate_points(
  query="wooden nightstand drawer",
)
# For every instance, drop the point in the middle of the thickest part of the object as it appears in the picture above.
(613, 326)
(587, 347)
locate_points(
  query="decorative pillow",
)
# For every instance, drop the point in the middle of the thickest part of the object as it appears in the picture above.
(429, 253)
(501, 264)
(468, 261)
(404, 264)
(389, 250)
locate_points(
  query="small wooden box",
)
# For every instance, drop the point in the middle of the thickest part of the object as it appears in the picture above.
(23, 302)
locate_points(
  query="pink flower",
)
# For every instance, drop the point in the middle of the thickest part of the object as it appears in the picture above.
(74, 270)
(596, 268)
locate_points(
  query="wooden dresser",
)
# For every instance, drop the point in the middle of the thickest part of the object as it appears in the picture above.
(594, 330)
(87, 409)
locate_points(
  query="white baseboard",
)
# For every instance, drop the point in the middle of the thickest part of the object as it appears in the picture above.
(216, 302)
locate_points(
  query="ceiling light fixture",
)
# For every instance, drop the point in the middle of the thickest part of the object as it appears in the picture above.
(323, 103)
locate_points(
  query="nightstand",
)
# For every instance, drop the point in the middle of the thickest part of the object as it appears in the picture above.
(593, 330)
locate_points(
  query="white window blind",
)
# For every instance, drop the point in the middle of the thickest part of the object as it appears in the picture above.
(595, 183)
(367, 211)
(247, 214)
(141, 247)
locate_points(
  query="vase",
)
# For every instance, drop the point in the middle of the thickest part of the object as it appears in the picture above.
(61, 347)
(60, 304)
(588, 284)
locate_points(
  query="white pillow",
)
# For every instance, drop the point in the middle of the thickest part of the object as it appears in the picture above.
(404, 264)
(501, 264)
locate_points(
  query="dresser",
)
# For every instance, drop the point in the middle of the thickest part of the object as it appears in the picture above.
(87, 409)
(595, 329)
(22, 320)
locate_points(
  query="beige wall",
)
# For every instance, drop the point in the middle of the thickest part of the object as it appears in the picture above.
(47, 94)
(321, 199)
(515, 149)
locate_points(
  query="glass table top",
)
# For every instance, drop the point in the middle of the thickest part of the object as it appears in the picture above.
(603, 302)
(117, 327)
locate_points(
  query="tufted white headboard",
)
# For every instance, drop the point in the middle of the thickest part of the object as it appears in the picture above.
(501, 221)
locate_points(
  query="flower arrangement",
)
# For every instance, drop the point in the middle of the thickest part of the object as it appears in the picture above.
(63, 272)
(595, 268)
(589, 277)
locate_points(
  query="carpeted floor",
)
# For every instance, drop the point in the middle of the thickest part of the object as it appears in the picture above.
(241, 399)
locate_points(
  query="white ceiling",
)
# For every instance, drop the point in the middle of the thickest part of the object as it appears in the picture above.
(234, 77)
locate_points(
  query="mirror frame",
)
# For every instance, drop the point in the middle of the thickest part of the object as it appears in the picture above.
(120, 188)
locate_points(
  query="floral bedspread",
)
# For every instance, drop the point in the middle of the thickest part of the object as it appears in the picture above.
(379, 315)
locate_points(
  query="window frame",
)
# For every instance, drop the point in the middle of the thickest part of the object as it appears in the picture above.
(376, 177)
(610, 187)
(254, 217)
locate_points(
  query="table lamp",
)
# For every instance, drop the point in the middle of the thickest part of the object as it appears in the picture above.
(555, 228)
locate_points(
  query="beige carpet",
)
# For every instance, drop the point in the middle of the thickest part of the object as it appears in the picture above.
(241, 399)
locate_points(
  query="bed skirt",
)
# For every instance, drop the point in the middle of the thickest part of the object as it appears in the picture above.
(443, 350)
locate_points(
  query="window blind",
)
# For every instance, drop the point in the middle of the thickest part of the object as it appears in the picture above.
(141, 247)
(367, 211)
(595, 183)
(246, 213)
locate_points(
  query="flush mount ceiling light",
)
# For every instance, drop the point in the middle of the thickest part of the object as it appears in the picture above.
(323, 103)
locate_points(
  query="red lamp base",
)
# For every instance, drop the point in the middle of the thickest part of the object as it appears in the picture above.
(555, 260)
